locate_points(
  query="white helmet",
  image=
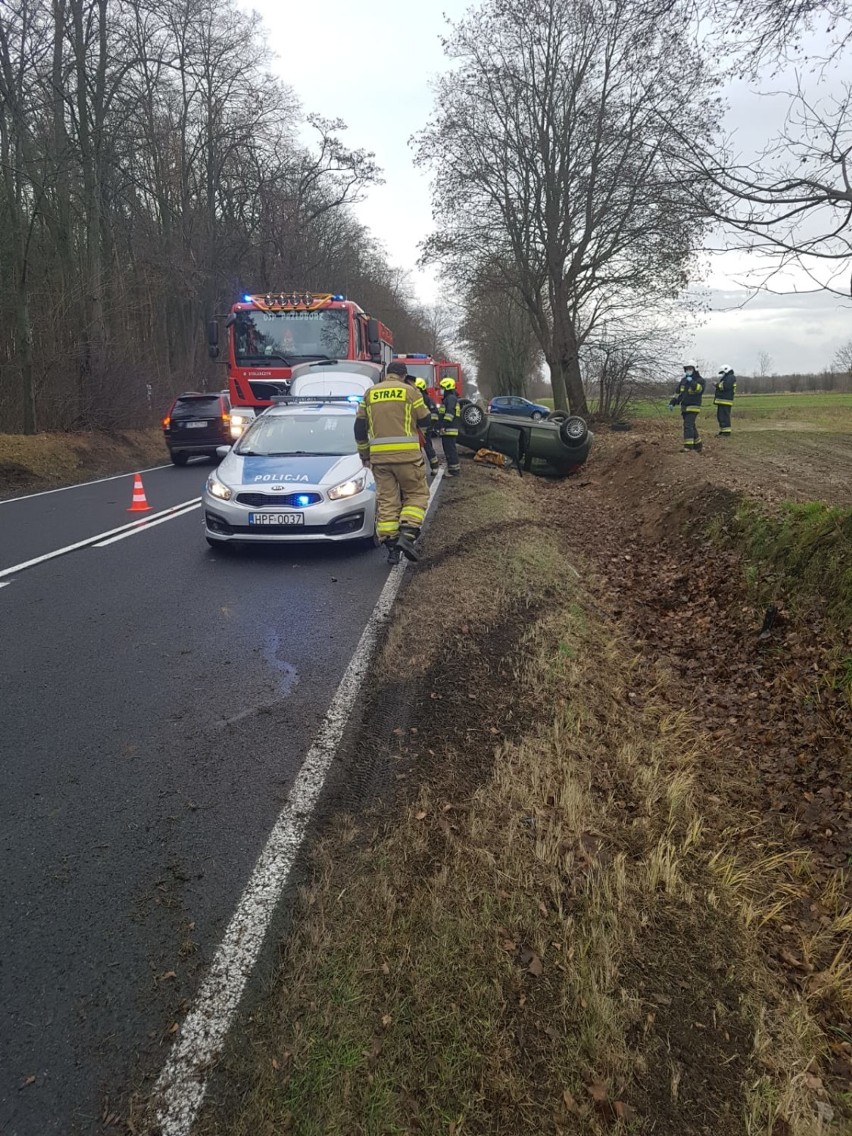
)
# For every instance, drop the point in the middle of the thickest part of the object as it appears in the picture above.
(724, 370)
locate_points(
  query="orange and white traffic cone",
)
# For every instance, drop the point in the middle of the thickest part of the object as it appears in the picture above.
(140, 503)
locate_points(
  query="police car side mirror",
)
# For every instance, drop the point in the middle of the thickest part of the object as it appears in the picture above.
(222, 451)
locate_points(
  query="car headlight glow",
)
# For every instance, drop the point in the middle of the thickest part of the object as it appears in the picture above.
(348, 488)
(217, 489)
(239, 423)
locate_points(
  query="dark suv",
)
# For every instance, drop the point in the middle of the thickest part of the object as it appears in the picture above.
(195, 424)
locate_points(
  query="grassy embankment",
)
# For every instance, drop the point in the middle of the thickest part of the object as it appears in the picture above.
(541, 935)
(43, 461)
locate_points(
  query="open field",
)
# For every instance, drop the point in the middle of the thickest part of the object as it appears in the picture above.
(810, 411)
(602, 888)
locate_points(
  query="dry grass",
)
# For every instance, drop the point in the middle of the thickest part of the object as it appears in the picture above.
(559, 951)
(45, 460)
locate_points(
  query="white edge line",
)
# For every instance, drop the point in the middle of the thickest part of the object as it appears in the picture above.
(182, 1084)
(141, 523)
(150, 525)
(80, 484)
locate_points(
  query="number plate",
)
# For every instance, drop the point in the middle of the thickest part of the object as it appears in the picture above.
(286, 519)
(195, 425)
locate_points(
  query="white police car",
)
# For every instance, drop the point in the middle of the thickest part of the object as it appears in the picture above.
(294, 475)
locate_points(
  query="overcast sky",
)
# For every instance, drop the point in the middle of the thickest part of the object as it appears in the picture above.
(371, 65)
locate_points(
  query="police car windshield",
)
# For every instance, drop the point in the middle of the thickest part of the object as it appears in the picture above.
(283, 435)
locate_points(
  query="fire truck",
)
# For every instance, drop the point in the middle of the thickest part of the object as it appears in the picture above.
(432, 370)
(269, 333)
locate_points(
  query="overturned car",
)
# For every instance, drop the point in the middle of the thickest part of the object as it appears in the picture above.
(556, 447)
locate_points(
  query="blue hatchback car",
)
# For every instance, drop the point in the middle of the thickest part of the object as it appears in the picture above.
(522, 407)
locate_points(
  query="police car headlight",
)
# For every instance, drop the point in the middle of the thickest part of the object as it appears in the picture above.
(217, 488)
(348, 488)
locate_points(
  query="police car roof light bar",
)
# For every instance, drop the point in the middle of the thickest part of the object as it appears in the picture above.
(313, 399)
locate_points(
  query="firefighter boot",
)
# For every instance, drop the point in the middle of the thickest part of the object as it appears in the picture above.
(698, 447)
(393, 551)
(405, 542)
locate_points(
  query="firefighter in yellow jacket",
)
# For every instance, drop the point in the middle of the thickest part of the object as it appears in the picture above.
(386, 433)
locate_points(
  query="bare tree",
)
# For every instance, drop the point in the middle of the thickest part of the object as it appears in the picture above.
(764, 363)
(842, 360)
(793, 201)
(553, 158)
(497, 331)
(441, 324)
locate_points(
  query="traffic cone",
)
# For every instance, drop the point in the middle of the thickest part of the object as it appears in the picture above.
(140, 504)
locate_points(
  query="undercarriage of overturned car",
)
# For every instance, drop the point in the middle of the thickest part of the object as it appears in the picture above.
(556, 447)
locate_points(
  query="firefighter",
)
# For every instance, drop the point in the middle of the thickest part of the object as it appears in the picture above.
(428, 435)
(448, 416)
(688, 397)
(386, 426)
(723, 400)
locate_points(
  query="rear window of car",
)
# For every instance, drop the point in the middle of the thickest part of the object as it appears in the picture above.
(199, 406)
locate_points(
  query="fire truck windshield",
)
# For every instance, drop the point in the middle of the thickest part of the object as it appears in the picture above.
(422, 371)
(290, 336)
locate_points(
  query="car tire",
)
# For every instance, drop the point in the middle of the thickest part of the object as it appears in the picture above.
(179, 459)
(573, 431)
(472, 417)
(536, 416)
(557, 416)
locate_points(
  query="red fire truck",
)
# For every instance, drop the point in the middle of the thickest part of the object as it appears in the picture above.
(432, 370)
(267, 334)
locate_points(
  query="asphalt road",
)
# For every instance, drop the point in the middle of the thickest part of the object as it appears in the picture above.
(157, 699)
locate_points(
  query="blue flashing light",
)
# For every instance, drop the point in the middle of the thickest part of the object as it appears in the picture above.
(355, 398)
(246, 299)
(418, 356)
(302, 500)
(339, 297)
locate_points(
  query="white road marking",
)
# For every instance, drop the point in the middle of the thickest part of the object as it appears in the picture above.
(182, 1084)
(80, 485)
(130, 528)
(143, 526)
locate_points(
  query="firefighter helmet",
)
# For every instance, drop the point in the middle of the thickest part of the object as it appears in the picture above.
(447, 383)
(725, 370)
(421, 383)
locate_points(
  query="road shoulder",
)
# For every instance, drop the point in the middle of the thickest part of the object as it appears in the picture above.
(572, 906)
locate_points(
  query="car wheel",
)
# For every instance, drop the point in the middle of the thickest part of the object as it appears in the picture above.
(472, 416)
(573, 431)
(536, 416)
(557, 416)
(179, 459)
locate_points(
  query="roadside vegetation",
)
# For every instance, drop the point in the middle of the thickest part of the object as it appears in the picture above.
(43, 461)
(602, 886)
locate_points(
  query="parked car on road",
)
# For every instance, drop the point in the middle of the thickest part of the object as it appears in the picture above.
(549, 449)
(294, 475)
(520, 407)
(196, 424)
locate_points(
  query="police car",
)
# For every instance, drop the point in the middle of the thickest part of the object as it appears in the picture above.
(295, 474)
